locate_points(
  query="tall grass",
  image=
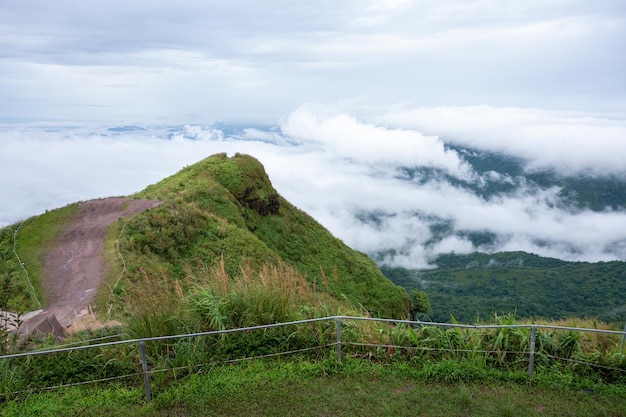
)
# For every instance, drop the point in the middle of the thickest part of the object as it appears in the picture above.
(435, 353)
(597, 355)
(218, 301)
(158, 307)
(276, 293)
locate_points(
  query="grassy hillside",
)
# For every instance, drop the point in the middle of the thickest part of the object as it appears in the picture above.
(479, 285)
(224, 212)
(19, 281)
(219, 216)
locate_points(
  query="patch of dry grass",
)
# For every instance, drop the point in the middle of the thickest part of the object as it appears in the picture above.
(87, 320)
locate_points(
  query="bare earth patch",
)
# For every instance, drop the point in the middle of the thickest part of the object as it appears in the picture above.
(73, 268)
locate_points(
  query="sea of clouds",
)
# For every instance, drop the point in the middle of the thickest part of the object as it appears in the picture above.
(345, 169)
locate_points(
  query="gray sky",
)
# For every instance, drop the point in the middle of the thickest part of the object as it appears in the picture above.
(362, 87)
(189, 60)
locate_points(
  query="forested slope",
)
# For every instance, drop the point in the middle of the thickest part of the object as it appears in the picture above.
(469, 287)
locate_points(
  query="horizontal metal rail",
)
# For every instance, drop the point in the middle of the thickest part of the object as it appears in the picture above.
(160, 338)
(486, 326)
(331, 318)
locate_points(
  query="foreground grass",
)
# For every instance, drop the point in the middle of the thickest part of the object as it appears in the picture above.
(356, 388)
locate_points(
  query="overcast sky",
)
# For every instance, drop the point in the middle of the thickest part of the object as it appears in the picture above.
(189, 60)
(361, 87)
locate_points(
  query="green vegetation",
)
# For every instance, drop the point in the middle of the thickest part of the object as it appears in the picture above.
(272, 295)
(597, 194)
(356, 388)
(224, 211)
(443, 354)
(279, 293)
(386, 369)
(580, 191)
(225, 250)
(30, 239)
(470, 287)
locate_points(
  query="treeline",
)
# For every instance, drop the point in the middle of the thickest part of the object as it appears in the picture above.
(474, 287)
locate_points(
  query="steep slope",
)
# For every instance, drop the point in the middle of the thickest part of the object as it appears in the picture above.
(225, 209)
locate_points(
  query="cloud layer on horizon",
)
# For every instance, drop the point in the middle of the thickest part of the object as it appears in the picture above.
(569, 142)
(346, 171)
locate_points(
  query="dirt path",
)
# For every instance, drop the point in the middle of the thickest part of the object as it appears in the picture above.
(73, 268)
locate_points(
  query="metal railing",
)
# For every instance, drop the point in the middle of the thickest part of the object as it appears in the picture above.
(339, 320)
(533, 327)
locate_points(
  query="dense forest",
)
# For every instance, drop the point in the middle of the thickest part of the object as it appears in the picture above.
(474, 287)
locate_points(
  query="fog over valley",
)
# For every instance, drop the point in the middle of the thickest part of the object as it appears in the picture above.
(402, 187)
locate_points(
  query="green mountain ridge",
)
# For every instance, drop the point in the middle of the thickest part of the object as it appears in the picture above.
(227, 208)
(221, 211)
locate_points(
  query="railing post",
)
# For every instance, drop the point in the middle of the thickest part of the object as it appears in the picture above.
(338, 322)
(624, 338)
(531, 361)
(144, 367)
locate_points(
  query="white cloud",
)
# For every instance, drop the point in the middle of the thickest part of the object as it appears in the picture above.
(571, 142)
(453, 244)
(341, 170)
(344, 137)
(50, 167)
(528, 220)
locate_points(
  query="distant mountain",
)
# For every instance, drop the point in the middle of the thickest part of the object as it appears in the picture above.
(498, 180)
(126, 129)
(577, 191)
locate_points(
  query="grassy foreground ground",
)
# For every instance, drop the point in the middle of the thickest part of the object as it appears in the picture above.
(326, 388)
